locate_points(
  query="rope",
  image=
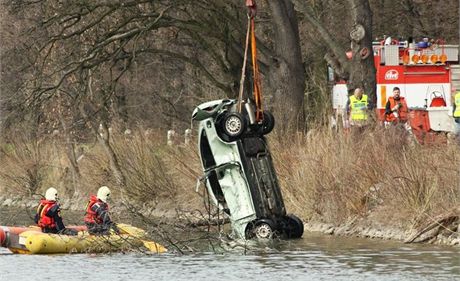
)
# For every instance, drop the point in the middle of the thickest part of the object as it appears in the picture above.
(257, 92)
(243, 70)
(255, 70)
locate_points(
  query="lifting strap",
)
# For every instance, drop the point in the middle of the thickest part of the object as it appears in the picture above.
(243, 70)
(255, 67)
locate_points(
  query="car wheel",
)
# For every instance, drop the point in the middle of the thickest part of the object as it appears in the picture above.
(263, 231)
(268, 123)
(233, 125)
(294, 227)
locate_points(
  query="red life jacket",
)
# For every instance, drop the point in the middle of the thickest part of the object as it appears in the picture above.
(44, 221)
(91, 216)
(403, 111)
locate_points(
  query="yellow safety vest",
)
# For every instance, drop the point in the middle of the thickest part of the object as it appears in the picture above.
(457, 105)
(358, 108)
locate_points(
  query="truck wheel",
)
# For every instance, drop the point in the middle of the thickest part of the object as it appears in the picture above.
(233, 125)
(268, 123)
(294, 227)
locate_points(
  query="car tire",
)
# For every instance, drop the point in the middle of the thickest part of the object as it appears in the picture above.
(260, 229)
(294, 227)
(268, 123)
(263, 230)
(233, 125)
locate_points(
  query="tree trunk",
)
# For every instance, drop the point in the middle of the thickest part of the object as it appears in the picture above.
(335, 56)
(71, 156)
(121, 107)
(286, 75)
(362, 70)
(102, 134)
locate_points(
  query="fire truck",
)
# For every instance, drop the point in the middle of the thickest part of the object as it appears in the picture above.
(428, 74)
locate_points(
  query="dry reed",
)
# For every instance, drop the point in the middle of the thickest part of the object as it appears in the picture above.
(324, 175)
(334, 177)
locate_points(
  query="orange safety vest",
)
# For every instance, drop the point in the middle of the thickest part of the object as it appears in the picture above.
(91, 216)
(403, 111)
(45, 221)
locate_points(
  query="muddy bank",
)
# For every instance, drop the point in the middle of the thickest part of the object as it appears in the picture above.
(433, 233)
(20, 211)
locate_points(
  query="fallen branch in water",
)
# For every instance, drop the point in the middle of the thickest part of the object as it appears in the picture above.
(206, 222)
(447, 222)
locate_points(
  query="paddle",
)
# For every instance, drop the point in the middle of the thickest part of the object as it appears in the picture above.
(140, 233)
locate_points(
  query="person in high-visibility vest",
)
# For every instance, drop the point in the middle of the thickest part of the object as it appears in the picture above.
(357, 108)
(456, 113)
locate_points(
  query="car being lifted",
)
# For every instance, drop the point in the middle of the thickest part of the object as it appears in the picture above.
(238, 170)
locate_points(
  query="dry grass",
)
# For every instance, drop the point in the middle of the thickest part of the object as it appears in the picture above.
(336, 177)
(27, 166)
(323, 175)
(155, 173)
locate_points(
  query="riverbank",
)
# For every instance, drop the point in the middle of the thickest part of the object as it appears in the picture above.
(18, 211)
(434, 233)
(370, 185)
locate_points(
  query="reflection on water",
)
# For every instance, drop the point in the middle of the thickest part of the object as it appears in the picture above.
(315, 257)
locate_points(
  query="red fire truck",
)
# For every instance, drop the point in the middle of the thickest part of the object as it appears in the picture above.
(427, 73)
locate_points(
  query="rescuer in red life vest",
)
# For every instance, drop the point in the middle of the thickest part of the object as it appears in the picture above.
(97, 217)
(48, 215)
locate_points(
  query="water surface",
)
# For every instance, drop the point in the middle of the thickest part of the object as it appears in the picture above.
(315, 257)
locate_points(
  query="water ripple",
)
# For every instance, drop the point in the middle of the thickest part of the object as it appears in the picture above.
(311, 258)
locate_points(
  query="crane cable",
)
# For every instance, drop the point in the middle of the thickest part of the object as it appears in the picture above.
(243, 70)
(255, 67)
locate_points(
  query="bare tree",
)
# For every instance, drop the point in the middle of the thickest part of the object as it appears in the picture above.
(88, 47)
(360, 72)
(153, 61)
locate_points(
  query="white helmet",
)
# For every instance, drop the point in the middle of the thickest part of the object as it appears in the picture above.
(51, 194)
(103, 193)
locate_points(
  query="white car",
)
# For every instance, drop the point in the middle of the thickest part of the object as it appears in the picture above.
(238, 170)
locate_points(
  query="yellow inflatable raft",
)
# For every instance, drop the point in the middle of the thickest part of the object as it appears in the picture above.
(130, 237)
